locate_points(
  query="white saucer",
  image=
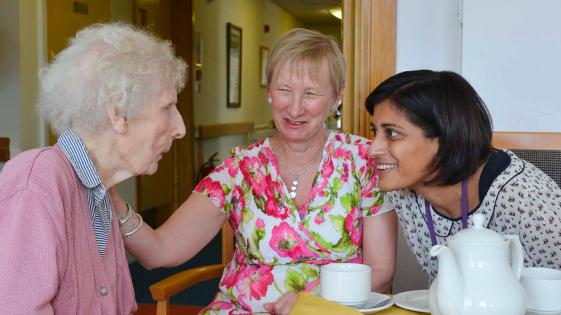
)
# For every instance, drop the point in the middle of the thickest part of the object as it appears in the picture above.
(417, 300)
(536, 312)
(374, 299)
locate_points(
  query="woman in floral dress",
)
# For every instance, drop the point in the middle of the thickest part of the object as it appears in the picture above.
(295, 201)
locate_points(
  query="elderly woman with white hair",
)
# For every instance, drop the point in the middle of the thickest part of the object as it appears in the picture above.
(111, 97)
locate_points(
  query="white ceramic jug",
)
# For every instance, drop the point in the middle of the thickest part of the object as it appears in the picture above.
(478, 274)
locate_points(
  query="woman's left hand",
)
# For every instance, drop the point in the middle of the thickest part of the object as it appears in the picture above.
(283, 305)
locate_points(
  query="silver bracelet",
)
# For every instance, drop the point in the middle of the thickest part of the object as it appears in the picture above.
(135, 226)
(127, 215)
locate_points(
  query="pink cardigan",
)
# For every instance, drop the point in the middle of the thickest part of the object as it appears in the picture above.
(49, 262)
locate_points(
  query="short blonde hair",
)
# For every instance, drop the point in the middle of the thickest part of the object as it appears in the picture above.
(312, 48)
(104, 63)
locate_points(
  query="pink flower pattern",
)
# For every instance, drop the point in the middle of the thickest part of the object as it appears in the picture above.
(353, 225)
(287, 243)
(213, 190)
(252, 283)
(238, 201)
(274, 237)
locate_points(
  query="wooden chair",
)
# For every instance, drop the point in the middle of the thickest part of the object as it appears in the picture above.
(543, 149)
(162, 291)
(4, 149)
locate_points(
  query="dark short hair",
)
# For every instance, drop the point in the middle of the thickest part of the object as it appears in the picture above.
(445, 106)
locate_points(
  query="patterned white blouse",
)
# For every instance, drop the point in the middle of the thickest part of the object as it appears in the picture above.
(520, 200)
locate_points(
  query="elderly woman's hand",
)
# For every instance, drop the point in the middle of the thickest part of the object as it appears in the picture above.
(283, 305)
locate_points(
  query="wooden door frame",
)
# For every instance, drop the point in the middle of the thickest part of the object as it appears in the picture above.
(369, 46)
(182, 38)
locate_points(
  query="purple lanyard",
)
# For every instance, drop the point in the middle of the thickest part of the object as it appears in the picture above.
(464, 213)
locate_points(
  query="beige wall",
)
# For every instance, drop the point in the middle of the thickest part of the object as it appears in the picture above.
(25, 32)
(328, 29)
(10, 88)
(28, 128)
(210, 103)
(32, 57)
(122, 10)
(62, 21)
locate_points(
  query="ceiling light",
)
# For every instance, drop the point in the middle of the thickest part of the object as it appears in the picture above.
(336, 12)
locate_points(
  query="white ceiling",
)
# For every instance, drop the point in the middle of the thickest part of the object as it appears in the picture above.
(310, 11)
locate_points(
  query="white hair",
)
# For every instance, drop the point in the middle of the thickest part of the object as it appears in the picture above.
(105, 63)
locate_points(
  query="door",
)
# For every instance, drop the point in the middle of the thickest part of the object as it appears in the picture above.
(158, 195)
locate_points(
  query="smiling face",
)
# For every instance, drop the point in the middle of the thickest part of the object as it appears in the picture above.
(150, 133)
(401, 150)
(301, 101)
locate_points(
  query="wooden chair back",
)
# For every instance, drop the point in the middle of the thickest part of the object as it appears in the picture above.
(4, 149)
(163, 290)
(227, 243)
(543, 149)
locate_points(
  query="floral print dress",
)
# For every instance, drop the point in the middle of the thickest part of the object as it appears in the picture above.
(280, 247)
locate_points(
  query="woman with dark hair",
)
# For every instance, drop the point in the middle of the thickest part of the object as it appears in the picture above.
(433, 147)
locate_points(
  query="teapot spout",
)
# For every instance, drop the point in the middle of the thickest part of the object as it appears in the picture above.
(449, 285)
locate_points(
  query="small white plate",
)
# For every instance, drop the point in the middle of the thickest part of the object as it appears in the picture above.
(375, 299)
(536, 312)
(417, 300)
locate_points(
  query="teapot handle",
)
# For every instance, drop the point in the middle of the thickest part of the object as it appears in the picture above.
(516, 255)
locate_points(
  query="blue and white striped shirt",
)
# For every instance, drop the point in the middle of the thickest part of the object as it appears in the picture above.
(98, 197)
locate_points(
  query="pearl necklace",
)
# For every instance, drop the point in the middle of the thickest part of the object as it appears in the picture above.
(296, 180)
(296, 175)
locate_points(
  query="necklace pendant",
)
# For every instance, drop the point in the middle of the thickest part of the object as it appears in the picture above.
(293, 188)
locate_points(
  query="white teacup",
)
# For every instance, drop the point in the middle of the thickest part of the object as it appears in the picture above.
(345, 283)
(543, 288)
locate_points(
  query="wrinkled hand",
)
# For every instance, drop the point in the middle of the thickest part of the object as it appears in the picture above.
(283, 305)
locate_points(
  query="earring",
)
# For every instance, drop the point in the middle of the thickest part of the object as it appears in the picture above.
(335, 109)
(269, 100)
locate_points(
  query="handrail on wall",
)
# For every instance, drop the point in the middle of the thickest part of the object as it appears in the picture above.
(206, 132)
(527, 140)
(222, 130)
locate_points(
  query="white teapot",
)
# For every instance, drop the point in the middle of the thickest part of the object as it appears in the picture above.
(478, 273)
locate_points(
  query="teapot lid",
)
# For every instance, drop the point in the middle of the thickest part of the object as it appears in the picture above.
(477, 233)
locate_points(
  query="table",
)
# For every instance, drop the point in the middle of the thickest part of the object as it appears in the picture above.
(310, 304)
